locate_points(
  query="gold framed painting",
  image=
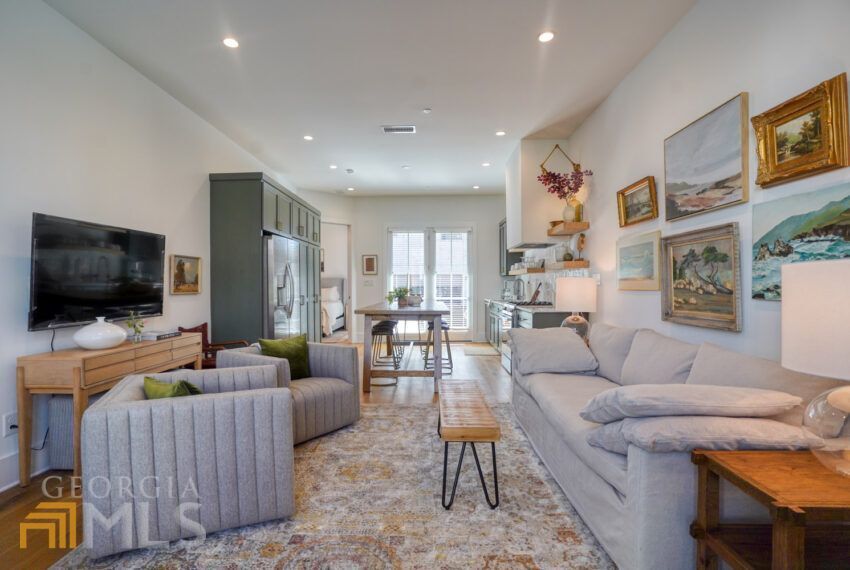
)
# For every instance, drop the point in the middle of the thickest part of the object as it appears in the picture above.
(638, 265)
(637, 202)
(701, 278)
(185, 275)
(803, 136)
(706, 164)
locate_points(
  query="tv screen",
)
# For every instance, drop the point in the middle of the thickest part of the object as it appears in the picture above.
(82, 270)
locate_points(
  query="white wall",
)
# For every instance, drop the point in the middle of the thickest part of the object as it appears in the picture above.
(335, 245)
(720, 48)
(87, 137)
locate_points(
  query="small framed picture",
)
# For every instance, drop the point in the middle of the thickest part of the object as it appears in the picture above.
(638, 264)
(185, 275)
(637, 202)
(370, 264)
(805, 135)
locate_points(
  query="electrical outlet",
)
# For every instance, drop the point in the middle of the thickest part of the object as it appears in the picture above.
(9, 420)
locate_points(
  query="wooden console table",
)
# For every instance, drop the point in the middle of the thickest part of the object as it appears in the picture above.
(81, 373)
(809, 509)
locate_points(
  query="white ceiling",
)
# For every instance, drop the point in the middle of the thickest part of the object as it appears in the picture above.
(339, 69)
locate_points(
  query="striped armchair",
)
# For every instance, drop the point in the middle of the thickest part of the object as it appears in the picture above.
(161, 470)
(327, 401)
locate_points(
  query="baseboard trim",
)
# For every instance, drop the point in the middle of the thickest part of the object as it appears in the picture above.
(9, 474)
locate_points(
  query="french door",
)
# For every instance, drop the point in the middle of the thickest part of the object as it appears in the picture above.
(435, 263)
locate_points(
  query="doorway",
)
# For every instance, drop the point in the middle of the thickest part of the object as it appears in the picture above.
(335, 259)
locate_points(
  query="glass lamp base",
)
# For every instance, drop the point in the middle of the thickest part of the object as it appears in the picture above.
(578, 323)
(826, 417)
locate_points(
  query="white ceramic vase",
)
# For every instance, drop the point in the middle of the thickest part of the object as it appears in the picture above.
(100, 335)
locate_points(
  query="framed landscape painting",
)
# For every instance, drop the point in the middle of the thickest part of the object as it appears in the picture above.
(185, 275)
(701, 278)
(805, 227)
(805, 135)
(638, 267)
(705, 163)
(637, 202)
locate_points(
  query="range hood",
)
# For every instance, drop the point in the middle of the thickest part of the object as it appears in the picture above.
(529, 207)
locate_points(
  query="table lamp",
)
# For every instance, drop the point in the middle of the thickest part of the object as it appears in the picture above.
(576, 295)
(816, 340)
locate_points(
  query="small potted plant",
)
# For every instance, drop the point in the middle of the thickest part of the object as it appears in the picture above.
(136, 324)
(400, 294)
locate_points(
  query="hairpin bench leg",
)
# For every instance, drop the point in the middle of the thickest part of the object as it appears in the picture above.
(491, 504)
(448, 505)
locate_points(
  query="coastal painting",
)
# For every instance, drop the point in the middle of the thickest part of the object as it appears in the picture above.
(701, 279)
(637, 262)
(705, 163)
(637, 202)
(805, 227)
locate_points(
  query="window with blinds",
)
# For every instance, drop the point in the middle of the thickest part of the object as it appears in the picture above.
(451, 275)
(408, 261)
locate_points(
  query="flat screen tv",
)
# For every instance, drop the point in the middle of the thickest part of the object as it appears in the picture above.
(81, 270)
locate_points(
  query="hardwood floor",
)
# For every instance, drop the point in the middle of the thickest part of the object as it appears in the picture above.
(16, 503)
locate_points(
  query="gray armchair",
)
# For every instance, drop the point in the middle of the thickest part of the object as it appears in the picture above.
(327, 401)
(159, 470)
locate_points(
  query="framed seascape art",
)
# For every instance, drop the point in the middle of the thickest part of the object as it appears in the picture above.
(185, 275)
(804, 227)
(805, 135)
(637, 202)
(701, 278)
(638, 267)
(705, 163)
(370, 264)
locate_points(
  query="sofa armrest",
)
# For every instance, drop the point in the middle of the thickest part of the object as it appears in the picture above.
(334, 361)
(239, 357)
(160, 470)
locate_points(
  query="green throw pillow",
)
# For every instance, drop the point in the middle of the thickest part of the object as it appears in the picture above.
(156, 389)
(293, 349)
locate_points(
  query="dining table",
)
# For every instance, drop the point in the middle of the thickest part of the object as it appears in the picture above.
(429, 311)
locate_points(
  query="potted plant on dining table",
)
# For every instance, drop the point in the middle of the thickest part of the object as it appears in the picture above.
(398, 294)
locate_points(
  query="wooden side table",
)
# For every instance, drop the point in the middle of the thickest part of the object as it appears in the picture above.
(82, 373)
(809, 508)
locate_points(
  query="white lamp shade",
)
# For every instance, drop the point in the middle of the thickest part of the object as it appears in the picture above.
(816, 318)
(575, 294)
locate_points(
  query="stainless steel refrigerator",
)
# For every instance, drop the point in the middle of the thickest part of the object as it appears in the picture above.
(291, 274)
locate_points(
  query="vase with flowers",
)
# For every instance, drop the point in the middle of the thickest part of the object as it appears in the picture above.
(136, 324)
(565, 185)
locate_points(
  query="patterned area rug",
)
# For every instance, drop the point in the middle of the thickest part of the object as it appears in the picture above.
(368, 496)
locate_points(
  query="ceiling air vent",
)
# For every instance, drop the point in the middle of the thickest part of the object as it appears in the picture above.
(399, 129)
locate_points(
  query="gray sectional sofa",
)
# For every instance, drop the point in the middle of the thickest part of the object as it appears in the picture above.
(639, 505)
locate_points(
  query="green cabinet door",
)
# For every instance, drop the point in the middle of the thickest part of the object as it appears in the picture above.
(284, 214)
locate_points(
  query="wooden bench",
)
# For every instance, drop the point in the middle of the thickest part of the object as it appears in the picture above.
(466, 418)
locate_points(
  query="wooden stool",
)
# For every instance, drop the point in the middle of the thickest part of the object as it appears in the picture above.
(466, 418)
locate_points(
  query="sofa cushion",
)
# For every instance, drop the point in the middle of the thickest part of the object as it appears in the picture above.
(720, 367)
(610, 346)
(658, 359)
(321, 405)
(561, 397)
(648, 400)
(557, 349)
(609, 437)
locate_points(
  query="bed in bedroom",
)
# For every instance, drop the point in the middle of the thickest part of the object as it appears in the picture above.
(333, 305)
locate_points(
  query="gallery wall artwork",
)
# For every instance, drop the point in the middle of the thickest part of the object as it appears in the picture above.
(370, 264)
(805, 135)
(701, 278)
(637, 202)
(803, 227)
(185, 275)
(638, 267)
(706, 163)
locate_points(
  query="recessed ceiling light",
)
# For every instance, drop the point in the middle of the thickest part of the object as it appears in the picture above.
(349, 171)
(476, 187)
(308, 137)
(332, 166)
(427, 110)
(500, 133)
(350, 189)
(546, 37)
(405, 166)
(485, 164)
(230, 42)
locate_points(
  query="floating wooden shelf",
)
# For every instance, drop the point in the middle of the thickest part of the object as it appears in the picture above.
(580, 264)
(526, 271)
(564, 229)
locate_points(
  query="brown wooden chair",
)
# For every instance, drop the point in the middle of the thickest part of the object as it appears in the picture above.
(210, 349)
